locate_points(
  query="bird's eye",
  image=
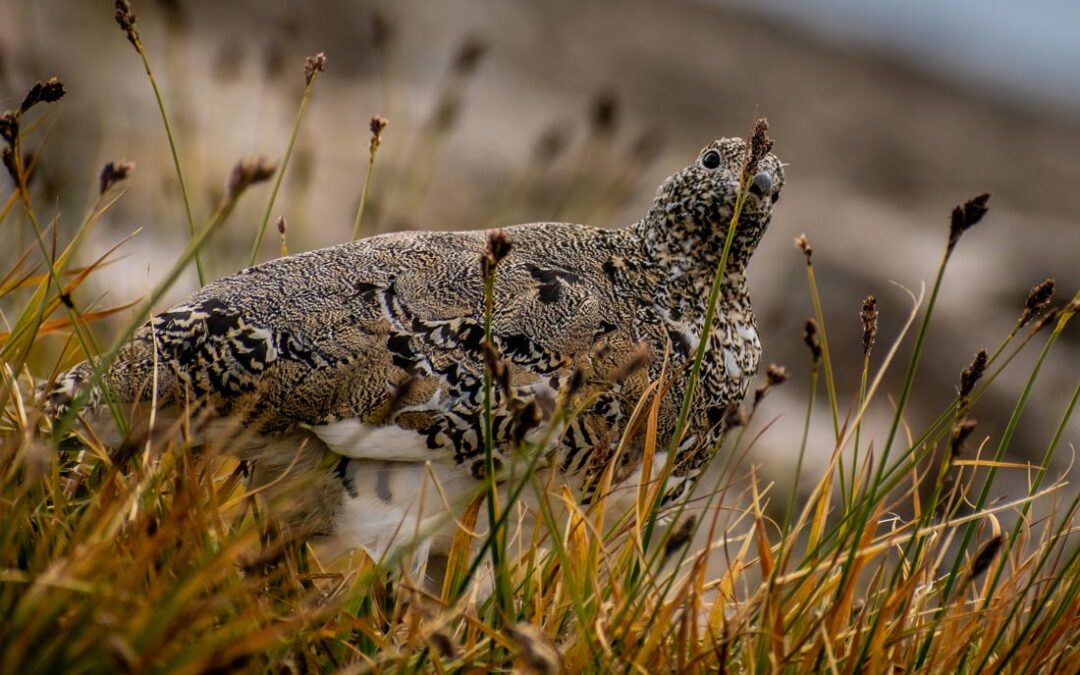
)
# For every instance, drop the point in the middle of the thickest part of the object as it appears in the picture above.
(711, 160)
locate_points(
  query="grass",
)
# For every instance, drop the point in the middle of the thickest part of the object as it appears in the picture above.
(158, 557)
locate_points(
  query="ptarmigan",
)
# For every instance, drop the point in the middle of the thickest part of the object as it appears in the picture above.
(360, 366)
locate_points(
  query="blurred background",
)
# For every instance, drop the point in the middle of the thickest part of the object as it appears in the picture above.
(500, 112)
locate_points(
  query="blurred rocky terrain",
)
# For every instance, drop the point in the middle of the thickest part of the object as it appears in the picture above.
(505, 112)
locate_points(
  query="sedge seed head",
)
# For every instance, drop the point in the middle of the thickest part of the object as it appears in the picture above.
(986, 554)
(125, 18)
(1046, 319)
(48, 91)
(803, 245)
(735, 416)
(9, 127)
(313, 65)
(526, 418)
(1038, 301)
(776, 375)
(8, 157)
(605, 113)
(378, 125)
(966, 216)
(113, 173)
(960, 433)
(972, 374)
(500, 372)
(869, 318)
(812, 339)
(498, 247)
(247, 172)
(680, 537)
(760, 145)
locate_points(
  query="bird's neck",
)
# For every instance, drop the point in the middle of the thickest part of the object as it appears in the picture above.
(684, 261)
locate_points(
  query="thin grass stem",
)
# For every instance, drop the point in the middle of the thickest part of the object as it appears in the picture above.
(257, 245)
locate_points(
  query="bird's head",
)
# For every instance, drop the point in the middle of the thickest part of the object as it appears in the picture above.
(693, 208)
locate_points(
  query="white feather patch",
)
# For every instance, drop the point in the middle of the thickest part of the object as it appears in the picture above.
(353, 438)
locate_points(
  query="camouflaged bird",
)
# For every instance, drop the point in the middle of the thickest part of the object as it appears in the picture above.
(361, 366)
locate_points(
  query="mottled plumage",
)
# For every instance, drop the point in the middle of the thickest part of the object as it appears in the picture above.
(361, 365)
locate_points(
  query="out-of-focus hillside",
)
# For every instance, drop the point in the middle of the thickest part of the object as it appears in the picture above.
(575, 111)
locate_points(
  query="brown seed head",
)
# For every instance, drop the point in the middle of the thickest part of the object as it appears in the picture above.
(985, 555)
(803, 245)
(500, 372)
(378, 124)
(577, 379)
(605, 113)
(759, 146)
(1038, 301)
(966, 216)
(538, 656)
(972, 374)
(526, 418)
(247, 172)
(313, 65)
(113, 173)
(8, 156)
(812, 339)
(680, 537)
(9, 127)
(960, 433)
(869, 316)
(1045, 320)
(734, 416)
(498, 246)
(776, 375)
(125, 18)
(49, 91)
(281, 235)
